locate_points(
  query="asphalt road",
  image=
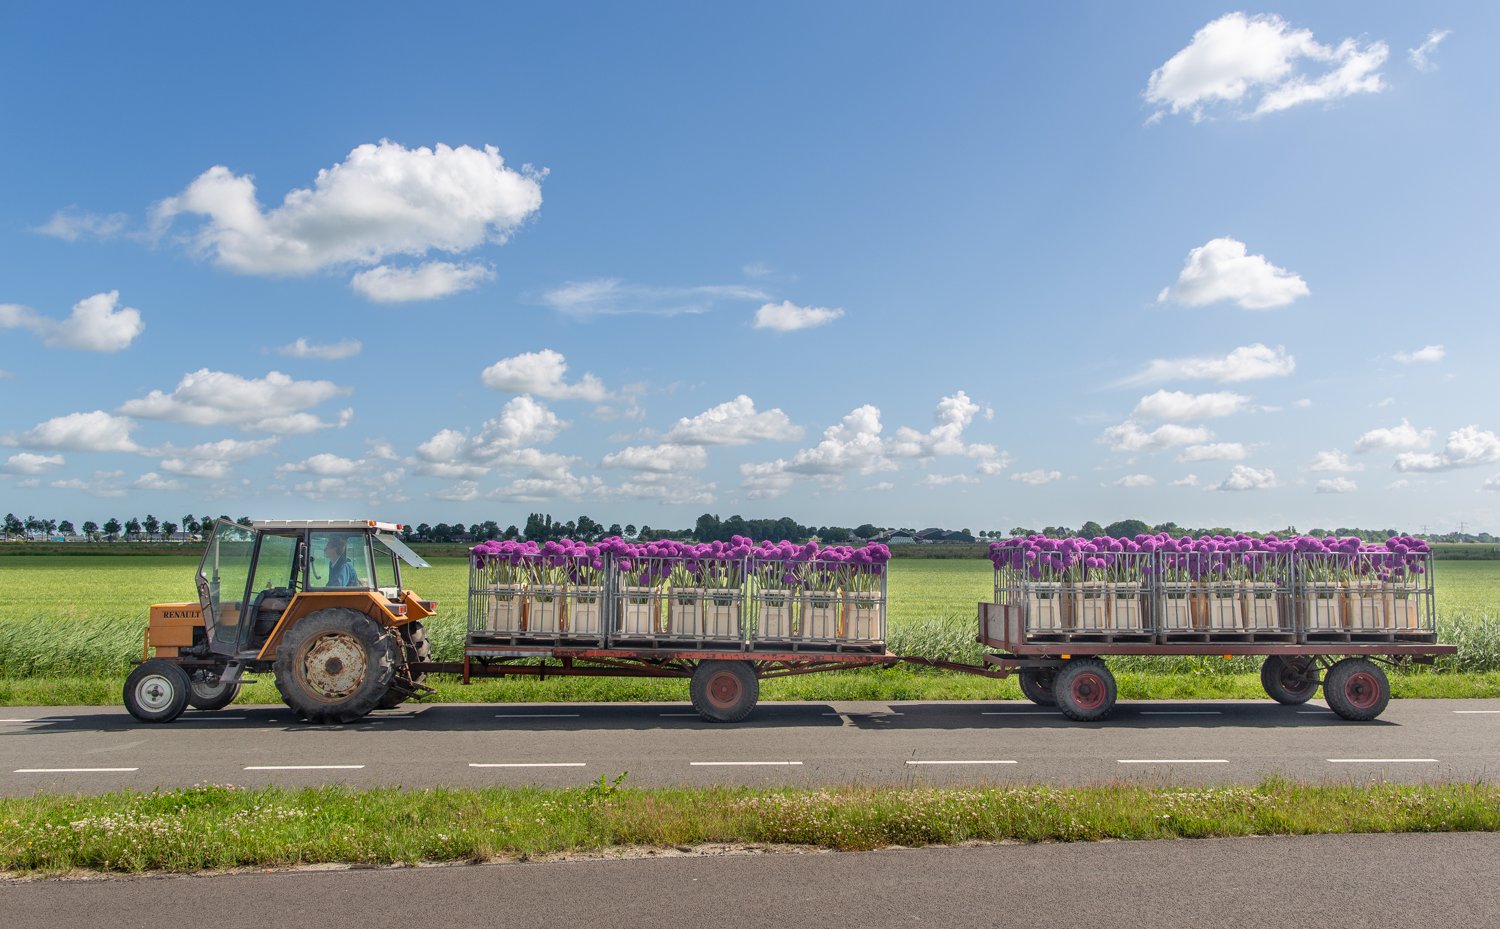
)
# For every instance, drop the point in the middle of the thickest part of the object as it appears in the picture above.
(1325, 881)
(92, 749)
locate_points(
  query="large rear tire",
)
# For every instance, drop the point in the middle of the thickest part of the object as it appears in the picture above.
(1036, 685)
(1085, 690)
(336, 665)
(1292, 682)
(1357, 689)
(157, 691)
(415, 647)
(210, 697)
(724, 691)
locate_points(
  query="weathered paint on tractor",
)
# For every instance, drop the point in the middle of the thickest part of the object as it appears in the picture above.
(171, 625)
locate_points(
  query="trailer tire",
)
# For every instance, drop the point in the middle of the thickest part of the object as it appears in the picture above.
(1290, 682)
(415, 646)
(724, 691)
(1085, 690)
(1036, 685)
(336, 665)
(210, 697)
(1356, 689)
(157, 691)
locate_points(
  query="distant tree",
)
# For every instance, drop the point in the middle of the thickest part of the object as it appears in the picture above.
(190, 524)
(111, 528)
(867, 530)
(646, 533)
(487, 530)
(587, 530)
(442, 532)
(152, 525)
(512, 532)
(33, 526)
(65, 527)
(1168, 528)
(1127, 529)
(243, 521)
(835, 535)
(707, 528)
(132, 527)
(13, 525)
(168, 529)
(614, 530)
(91, 529)
(1090, 529)
(630, 530)
(424, 532)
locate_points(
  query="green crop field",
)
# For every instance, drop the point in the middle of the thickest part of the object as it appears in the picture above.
(69, 627)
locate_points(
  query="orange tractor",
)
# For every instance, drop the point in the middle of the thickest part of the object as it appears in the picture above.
(317, 603)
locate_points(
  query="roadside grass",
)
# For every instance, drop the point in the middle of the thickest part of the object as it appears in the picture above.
(217, 827)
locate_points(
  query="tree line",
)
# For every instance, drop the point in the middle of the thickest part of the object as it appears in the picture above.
(112, 530)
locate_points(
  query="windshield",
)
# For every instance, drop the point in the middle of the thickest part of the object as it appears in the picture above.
(223, 578)
(340, 559)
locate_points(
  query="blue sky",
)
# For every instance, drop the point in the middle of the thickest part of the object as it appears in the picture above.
(977, 266)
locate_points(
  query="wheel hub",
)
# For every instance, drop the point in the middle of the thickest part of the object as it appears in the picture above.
(1088, 691)
(723, 689)
(1362, 690)
(154, 692)
(334, 665)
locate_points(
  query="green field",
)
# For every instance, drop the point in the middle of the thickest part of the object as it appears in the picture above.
(71, 626)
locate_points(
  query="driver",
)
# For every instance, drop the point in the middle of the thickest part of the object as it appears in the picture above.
(341, 572)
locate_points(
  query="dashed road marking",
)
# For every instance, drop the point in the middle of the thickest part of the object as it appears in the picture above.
(1182, 712)
(1173, 761)
(1021, 713)
(303, 767)
(985, 761)
(1459, 712)
(528, 764)
(537, 715)
(1382, 761)
(73, 770)
(740, 764)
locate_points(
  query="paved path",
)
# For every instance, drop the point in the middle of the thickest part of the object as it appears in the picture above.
(102, 748)
(1330, 882)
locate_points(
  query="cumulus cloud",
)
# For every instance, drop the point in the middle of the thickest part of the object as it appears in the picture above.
(153, 481)
(1335, 461)
(665, 458)
(1130, 437)
(542, 374)
(1188, 480)
(852, 446)
(1426, 354)
(1420, 57)
(1465, 448)
(566, 486)
(1037, 477)
(1246, 363)
(97, 431)
(427, 281)
(735, 422)
(614, 297)
(1335, 485)
(504, 441)
(1177, 405)
(1403, 436)
(72, 224)
(954, 414)
(97, 324)
(275, 403)
(789, 317)
(31, 465)
(1244, 477)
(324, 464)
(213, 460)
(332, 351)
(1216, 451)
(1133, 480)
(944, 480)
(1223, 269)
(1253, 65)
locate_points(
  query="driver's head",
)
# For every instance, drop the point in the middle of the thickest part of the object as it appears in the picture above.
(334, 548)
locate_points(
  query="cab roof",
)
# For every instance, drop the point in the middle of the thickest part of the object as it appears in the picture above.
(356, 524)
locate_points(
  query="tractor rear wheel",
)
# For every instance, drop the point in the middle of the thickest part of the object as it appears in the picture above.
(336, 665)
(724, 691)
(210, 697)
(157, 691)
(415, 647)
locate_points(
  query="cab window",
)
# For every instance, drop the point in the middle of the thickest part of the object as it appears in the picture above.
(340, 560)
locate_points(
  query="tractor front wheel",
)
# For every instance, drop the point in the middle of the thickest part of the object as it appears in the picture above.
(336, 665)
(157, 691)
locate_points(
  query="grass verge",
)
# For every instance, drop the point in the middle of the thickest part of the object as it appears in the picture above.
(216, 827)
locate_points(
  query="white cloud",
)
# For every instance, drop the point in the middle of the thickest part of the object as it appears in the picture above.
(1251, 65)
(853, 445)
(1037, 477)
(462, 492)
(1429, 353)
(213, 460)
(324, 464)
(944, 480)
(564, 487)
(97, 431)
(1222, 269)
(382, 200)
(734, 422)
(503, 441)
(669, 489)
(665, 458)
(1335, 485)
(954, 414)
(1133, 480)
(1189, 480)
(766, 480)
(1246, 363)
(789, 317)
(333, 351)
(1130, 437)
(97, 324)
(1490, 483)
(614, 297)
(542, 373)
(427, 281)
(28, 463)
(1334, 460)
(1217, 451)
(1465, 448)
(215, 398)
(1177, 405)
(1302, 404)
(1244, 477)
(153, 481)
(73, 224)
(1419, 56)
(1404, 436)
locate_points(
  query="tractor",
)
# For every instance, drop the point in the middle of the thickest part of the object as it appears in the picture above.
(319, 604)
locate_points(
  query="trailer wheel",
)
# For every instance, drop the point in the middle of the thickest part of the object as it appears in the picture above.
(157, 691)
(209, 697)
(1292, 682)
(724, 691)
(1085, 690)
(415, 646)
(1357, 689)
(335, 666)
(1036, 685)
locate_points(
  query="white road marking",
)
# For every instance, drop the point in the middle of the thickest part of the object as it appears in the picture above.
(1173, 761)
(990, 761)
(303, 767)
(529, 764)
(871, 713)
(1383, 761)
(42, 719)
(537, 715)
(216, 718)
(1312, 712)
(739, 764)
(1460, 712)
(72, 770)
(1182, 712)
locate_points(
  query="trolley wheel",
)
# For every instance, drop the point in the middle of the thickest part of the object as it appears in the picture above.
(415, 646)
(1036, 685)
(157, 691)
(336, 665)
(209, 697)
(1085, 690)
(1356, 688)
(724, 691)
(1290, 681)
